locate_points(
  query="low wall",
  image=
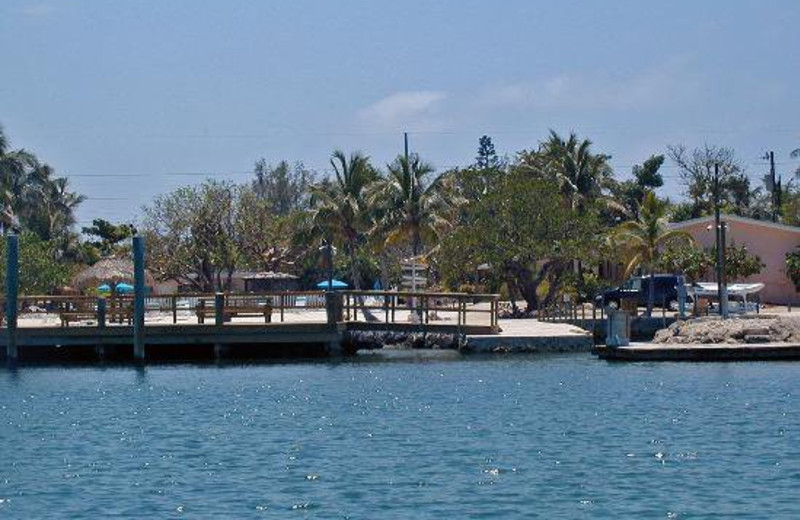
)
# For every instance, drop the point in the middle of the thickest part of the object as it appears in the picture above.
(500, 344)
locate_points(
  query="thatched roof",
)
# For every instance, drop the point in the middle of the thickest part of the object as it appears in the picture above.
(269, 275)
(108, 270)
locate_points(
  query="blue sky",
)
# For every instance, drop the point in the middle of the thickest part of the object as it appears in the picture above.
(123, 95)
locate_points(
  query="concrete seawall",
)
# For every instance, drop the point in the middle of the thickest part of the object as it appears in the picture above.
(531, 336)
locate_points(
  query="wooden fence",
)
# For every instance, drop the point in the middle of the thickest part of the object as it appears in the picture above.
(459, 309)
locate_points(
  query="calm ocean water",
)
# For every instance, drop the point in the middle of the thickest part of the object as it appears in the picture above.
(422, 437)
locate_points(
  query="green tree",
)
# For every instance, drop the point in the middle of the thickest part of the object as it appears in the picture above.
(487, 156)
(40, 272)
(581, 174)
(530, 247)
(106, 239)
(285, 188)
(191, 237)
(14, 168)
(644, 237)
(696, 168)
(340, 210)
(263, 237)
(687, 259)
(793, 268)
(646, 177)
(697, 264)
(412, 203)
(32, 198)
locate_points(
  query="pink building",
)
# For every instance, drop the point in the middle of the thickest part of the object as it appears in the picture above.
(768, 240)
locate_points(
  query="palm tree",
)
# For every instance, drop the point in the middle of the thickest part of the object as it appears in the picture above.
(59, 206)
(341, 211)
(581, 173)
(642, 238)
(413, 207)
(14, 166)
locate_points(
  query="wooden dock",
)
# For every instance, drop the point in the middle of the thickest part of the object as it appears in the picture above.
(704, 352)
(214, 326)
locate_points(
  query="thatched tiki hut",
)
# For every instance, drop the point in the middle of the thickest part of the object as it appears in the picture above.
(109, 270)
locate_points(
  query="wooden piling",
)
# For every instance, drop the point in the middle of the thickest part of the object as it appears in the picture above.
(99, 348)
(138, 298)
(12, 293)
(219, 320)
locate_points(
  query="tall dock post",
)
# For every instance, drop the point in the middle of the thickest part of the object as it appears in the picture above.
(219, 321)
(138, 298)
(102, 308)
(12, 292)
(333, 308)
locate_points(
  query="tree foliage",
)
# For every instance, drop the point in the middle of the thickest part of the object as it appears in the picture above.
(793, 268)
(190, 234)
(646, 177)
(696, 168)
(33, 199)
(106, 239)
(40, 272)
(699, 264)
(411, 204)
(642, 239)
(525, 232)
(284, 188)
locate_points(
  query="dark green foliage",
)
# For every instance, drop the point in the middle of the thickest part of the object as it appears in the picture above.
(646, 177)
(696, 168)
(694, 263)
(285, 188)
(487, 156)
(793, 268)
(698, 264)
(33, 199)
(39, 270)
(522, 232)
(106, 239)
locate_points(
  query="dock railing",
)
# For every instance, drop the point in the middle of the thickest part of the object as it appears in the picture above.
(468, 311)
(461, 310)
(591, 317)
(88, 310)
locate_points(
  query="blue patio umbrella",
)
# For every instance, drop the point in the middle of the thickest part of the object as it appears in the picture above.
(335, 284)
(124, 288)
(104, 288)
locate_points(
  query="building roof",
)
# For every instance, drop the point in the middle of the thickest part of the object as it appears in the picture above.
(269, 275)
(108, 270)
(735, 218)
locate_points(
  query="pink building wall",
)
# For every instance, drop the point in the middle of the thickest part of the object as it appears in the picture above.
(769, 241)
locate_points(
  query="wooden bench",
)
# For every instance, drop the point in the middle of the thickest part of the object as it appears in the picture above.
(204, 311)
(117, 311)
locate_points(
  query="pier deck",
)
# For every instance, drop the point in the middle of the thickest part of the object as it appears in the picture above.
(704, 352)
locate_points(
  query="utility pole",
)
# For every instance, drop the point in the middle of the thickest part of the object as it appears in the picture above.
(775, 189)
(722, 288)
(405, 142)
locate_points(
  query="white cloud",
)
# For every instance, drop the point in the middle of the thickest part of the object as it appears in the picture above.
(37, 9)
(665, 84)
(413, 110)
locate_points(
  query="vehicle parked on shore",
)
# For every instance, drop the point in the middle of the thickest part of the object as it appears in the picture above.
(637, 288)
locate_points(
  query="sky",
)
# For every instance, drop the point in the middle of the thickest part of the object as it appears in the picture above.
(130, 99)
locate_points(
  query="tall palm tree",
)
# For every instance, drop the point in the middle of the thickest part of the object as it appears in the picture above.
(412, 202)
(59, 206)
(340, 208)
(581, 173)
(643, 237)
(14, 167)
